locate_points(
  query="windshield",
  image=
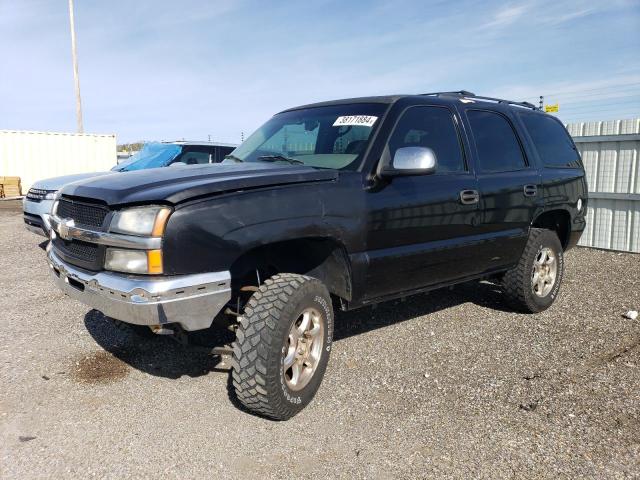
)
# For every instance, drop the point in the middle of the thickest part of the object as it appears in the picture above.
(324, 137)
(152, 155)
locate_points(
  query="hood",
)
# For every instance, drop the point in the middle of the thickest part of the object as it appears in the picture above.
(180, 183)
(56, 183)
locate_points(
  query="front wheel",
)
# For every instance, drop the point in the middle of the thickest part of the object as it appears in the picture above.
(282, 345)
(533, 284)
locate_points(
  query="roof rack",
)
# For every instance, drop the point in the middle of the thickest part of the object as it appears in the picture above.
(465, 93)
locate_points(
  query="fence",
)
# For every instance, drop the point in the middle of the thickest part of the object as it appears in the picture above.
(36, 155)
(611, 156)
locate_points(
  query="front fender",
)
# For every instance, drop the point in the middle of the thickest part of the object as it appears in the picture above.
(211, 234)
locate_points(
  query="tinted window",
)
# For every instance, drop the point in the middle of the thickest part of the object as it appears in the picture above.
(222, 152)
(430, 127)
(195, 155)
(194, 158)
(496, 142)
(551, 140)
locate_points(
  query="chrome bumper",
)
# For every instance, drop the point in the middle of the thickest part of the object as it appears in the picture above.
(40, 209)
(189, 300)
(35, 229)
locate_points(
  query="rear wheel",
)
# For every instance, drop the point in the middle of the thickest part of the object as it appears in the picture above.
(533, 284)
(282, 345)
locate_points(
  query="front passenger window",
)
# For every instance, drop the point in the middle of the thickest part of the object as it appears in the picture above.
(430, 127)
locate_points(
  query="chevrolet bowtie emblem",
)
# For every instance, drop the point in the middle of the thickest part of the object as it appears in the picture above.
(63, 228)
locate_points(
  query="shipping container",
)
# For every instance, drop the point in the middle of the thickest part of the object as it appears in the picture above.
(34, 156)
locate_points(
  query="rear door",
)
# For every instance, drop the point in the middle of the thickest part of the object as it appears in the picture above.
(510, 190)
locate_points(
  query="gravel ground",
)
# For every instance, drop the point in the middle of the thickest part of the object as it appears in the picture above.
(449, 384)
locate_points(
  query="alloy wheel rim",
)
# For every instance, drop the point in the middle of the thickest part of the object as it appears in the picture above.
(545, 271)
(303, 349)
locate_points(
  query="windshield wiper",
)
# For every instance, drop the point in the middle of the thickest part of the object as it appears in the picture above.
(233, 157)
(276, 158)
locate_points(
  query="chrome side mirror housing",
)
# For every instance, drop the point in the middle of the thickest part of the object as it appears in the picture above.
(417, 159)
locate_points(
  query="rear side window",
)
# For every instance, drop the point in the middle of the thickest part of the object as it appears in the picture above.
(496, 142)
(195, 158)
(430, 127)
(551, 140)
(220, 153)
(194, 155)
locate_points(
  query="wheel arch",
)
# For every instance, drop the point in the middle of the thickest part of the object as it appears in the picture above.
(324, 258)
(556, 220)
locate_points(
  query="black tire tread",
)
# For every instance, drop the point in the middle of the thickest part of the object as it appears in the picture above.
(255, 338)
(514, 281)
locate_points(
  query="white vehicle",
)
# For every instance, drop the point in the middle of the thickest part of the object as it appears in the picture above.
(37, 203)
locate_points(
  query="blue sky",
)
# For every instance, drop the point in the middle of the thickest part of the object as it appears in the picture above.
(159, 70)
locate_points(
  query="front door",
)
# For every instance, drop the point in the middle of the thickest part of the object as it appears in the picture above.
(420, 231)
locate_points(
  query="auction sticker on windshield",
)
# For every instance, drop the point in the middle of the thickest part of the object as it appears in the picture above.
(355, 120)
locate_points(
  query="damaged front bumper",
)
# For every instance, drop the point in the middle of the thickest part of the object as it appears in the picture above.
(189, 300)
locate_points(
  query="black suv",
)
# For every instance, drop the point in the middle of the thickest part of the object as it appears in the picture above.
(333, 205)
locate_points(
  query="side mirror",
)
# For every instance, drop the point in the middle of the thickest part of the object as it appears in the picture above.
(413, 161)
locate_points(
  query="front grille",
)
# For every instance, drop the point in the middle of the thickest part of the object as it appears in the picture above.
(82, 254)
(82, 213)
(82, 250)
(37, 194)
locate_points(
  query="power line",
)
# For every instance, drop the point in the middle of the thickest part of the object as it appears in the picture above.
(619, 93)
(592, 116)
(609, 99)
(594, 89)
(590, 99)
(634, 113)
(613, 105)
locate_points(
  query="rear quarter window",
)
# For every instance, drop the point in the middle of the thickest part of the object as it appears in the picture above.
(551, 140)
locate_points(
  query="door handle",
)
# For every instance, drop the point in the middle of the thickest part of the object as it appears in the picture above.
(530, 190)
(469, 197)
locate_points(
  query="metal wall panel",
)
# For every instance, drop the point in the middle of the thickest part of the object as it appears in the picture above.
(611, 155)
(37, 155)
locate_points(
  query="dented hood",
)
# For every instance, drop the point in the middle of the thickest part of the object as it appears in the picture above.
(178, 184)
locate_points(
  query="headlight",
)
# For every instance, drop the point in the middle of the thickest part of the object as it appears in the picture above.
(141, 221)
(51, 195)
(134, 261)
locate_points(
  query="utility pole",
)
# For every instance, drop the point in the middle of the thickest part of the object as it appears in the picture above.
(541, 103)
(76, 77)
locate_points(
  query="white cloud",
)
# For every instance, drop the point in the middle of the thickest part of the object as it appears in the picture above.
(547, 12)
(507, 15)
